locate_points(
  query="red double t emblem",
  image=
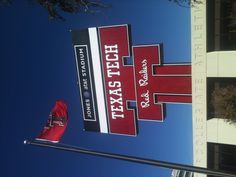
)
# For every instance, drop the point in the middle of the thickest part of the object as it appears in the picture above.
(112, 77)
(147, 81)
(157, 83)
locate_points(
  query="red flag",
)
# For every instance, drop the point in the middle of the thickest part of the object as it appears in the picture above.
(56, 123)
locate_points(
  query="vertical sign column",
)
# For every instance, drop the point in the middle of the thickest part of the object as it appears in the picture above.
(118, 79)
(144, 58)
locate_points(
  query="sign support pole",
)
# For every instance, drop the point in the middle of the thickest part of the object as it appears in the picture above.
(130, 158)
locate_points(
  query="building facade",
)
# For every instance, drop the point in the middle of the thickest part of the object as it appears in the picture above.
(213, 25)
(181, 173)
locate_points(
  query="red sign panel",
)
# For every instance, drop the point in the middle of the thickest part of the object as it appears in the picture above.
(118, 79)
(157, 84)
(108, 84)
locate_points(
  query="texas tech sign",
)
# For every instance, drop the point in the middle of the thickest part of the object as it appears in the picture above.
(112, 78)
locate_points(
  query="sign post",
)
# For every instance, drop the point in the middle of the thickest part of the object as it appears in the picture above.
(157, 163)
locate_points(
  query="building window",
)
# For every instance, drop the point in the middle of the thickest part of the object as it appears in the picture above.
(221, 25)
(181, 173)
(221, 157)
(221, 98)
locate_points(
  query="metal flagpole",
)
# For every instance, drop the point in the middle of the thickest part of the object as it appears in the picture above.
(131, 159)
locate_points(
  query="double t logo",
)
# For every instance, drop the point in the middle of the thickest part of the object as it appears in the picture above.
(109, 82)
(158, 83)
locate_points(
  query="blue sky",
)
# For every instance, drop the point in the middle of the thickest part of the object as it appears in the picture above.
(38, 66)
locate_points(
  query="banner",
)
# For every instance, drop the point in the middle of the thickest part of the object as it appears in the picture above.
(56, 123)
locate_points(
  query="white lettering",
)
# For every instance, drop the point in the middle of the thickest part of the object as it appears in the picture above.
(115, 90)
(145, 103)
(111, 49)
(114, 84)
(112, 60)
(116, 101)
(88, 108)
(82, 62)
(114, 115)
(144, 74)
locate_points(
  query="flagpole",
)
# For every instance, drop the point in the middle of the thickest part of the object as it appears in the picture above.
(131, 158)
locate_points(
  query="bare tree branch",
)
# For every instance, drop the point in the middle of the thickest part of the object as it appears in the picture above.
(56, 7)
(187, 3)
(5, 2)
